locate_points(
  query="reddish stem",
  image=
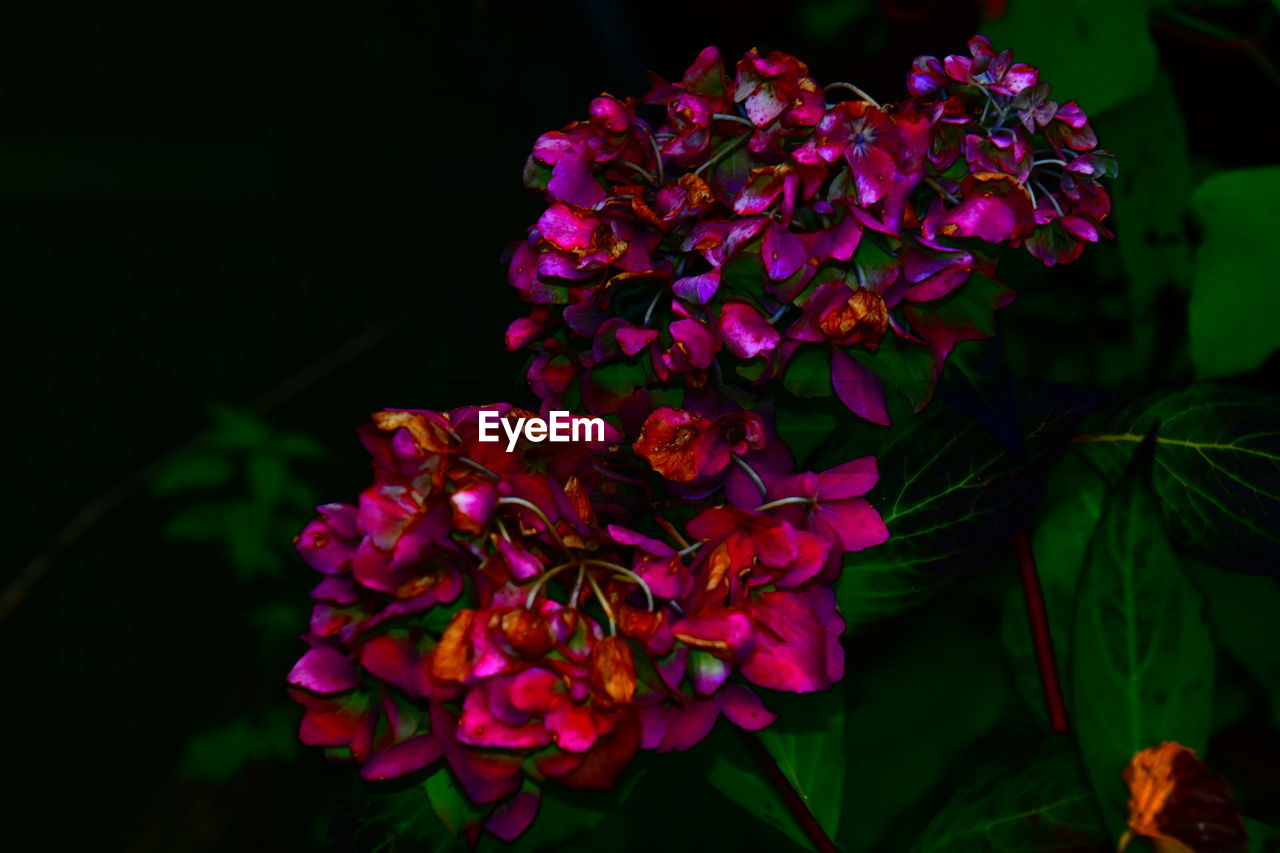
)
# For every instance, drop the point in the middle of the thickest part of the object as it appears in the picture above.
(794, 802)
(1040, 635)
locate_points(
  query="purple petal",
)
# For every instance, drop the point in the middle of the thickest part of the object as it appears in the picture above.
(513, 817)
(849, 480)
(782, 251)
(698, 288)
(413, 754)
(858, 388)
(856, 522)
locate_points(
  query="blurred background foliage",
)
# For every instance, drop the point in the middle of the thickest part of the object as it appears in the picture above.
(294, 215)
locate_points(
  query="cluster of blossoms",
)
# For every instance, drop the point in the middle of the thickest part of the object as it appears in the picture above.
(542, 614)
(760, 217)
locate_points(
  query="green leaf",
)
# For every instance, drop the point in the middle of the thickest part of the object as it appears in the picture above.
(1217, 469)
(1096, 52)
(807, 741)
(193, 472)
(1036, 800)
(924, 695)
(1234, 300)
(450, 804)
(737, 775)
(1263, 838)
(809, 373)
(1143, 657)
(562, 815)
(803, 429)
(1073, 501)
(1242, 614)
(951, 496)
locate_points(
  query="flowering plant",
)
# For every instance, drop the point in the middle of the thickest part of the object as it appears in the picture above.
(538, 614)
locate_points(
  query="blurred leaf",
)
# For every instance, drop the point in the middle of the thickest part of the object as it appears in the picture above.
(1234, 300)
(1151, 203)
(237, 430)
(1263, 838)
(1143, 657)
(193, 471)
(1217, 469)
(951, 496)
(268, 478)
(1242, 612)
(1036, 800)
(201, 523)
(921, 701)
(1073, 501)
(1096, 52)
(830, 19)
(252, 551)
(220, 753)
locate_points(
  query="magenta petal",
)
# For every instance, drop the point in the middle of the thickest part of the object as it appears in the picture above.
(746, 333)
(394, 660)
(566, 228)
(520, 562)
(572, 180)
(782, 251)
(633, 339)
(744, 708)
(849, 480)
(687, 726)
(856, 522)
(798, 642)
(413, 754)
(478, 726)
(625, 536)
(858, 388)
(573, 727)
(324, 549)
(513, 817)
(324, 670)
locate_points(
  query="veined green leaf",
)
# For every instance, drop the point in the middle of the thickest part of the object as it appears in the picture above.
(1143, 657)
(1037, 800)
(1217, 469)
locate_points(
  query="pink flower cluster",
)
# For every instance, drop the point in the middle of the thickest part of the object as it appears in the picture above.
(542, 614)
(756, 216)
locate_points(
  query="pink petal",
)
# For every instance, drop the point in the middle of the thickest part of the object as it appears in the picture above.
(513, 817)
(848, 480)
(324, 670)
(746, 333)
(744, 708)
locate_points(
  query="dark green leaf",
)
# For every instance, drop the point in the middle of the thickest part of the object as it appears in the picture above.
(1234, 298)
(807, 741)
(952, 499)
(450, 804)
(1143, 657)
(1072, 506)
(1217, 469)
(1037, 800)
(809, 374)
(1096, 52)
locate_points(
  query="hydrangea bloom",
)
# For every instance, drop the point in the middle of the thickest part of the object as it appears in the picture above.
(754, 218)
(538, 615)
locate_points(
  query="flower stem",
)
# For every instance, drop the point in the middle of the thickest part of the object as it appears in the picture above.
(852, 88)
(794, 802)
(1040, 635)
(751, 472)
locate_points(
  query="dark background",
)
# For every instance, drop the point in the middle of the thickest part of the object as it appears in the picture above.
(298, 212)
